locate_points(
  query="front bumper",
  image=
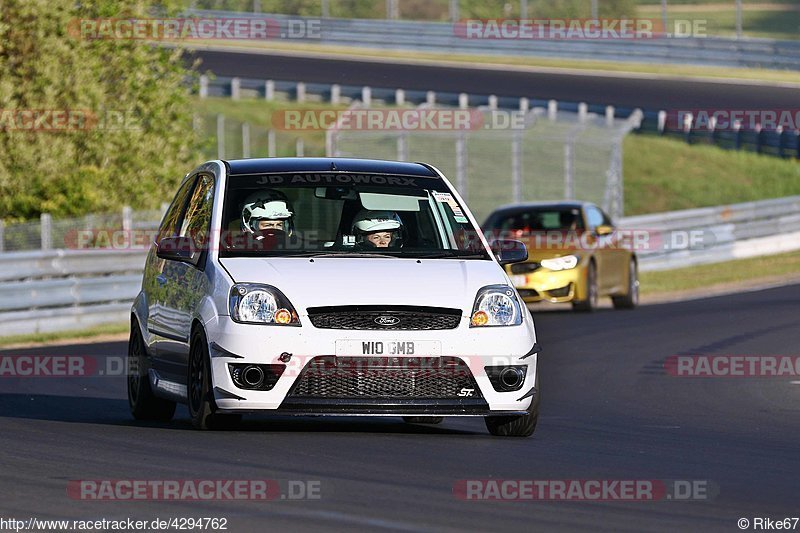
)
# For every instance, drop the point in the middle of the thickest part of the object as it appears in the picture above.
(254, 344)
(549, 286)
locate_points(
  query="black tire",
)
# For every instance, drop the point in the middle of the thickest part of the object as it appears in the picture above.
(631, 299)
(516, 426)
(590, 303)
(143, 403)
(423, 419)
(200, 398)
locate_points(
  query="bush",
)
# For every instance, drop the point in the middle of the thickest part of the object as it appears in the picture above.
(136, 141)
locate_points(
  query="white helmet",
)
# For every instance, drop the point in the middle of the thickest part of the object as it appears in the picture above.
(266, 205)
(366, 222)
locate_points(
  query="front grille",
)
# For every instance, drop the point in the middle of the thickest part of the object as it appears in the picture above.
(385, 377)
(384, 318)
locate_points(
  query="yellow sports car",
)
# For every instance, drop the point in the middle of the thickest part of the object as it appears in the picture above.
(575, 254)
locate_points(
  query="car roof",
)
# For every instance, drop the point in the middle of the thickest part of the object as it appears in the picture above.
(327, 164)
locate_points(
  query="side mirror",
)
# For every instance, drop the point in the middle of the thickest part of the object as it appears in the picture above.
(181, 249)
(603, 229)
(509, 251)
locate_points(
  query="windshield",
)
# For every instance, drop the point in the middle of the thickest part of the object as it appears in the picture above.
(340, 214)
(540, 219)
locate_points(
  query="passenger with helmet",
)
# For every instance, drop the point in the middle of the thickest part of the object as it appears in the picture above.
(378, 229)
(267, 211)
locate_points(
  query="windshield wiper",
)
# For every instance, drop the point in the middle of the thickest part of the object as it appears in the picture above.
(450, 254)
(358, 255)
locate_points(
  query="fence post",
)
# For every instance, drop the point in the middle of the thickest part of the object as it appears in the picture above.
(220, 136)
(236, 86)
(609, 116)
(461, 165)
(583, 112)
(662, 122)
(2, 235)
(430, 98)
(366, 96)
(269, 90)
(299, 148)
(569, 188)
(400, 97)
(203, 86)
(127, 224)
(164, 207)
(271, 143)
(301, 92)
(326, 11)
(46, 229)
(256, 6)
(246, 140)
(336, 94)
(492, 101)
(552, 110)
(516, 167)
(463, 100)
(523, 9)
(329, 142)
(524, 105)
(687, 127)
(454, 11)
(402, 147)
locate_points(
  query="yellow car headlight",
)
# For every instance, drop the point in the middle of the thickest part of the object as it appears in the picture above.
(560, 263)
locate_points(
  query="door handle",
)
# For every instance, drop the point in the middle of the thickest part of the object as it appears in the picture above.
(161, 279)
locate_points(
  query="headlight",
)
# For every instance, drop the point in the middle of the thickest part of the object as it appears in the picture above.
(251, 303)
(496, 305)
(561, 263)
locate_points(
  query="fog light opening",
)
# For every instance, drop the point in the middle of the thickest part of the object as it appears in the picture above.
(511, 377)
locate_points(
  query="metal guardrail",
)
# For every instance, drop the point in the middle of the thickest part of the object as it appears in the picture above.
(713, 234)
(442, 37)
(57, 290)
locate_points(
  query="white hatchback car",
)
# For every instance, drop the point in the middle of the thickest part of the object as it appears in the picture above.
(329, 286)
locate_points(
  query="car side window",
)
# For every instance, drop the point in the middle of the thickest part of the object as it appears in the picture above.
(172, 219)
(594, 217)
(197, 221)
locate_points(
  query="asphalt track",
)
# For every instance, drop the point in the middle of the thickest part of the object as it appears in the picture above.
(649, 94)
(609, 411)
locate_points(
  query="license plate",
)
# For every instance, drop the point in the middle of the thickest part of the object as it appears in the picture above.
(372, 347)
(519, 280)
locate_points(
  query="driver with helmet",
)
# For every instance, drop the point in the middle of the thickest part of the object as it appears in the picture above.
(267, 211)
(378, 229)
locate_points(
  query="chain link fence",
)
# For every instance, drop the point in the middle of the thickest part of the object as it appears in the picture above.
(553, 156)
(90, 231)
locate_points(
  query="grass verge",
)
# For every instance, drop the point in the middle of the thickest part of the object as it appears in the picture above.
(719, 275)
(92, 333)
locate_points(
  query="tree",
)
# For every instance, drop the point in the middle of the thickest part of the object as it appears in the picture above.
(131, 137)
